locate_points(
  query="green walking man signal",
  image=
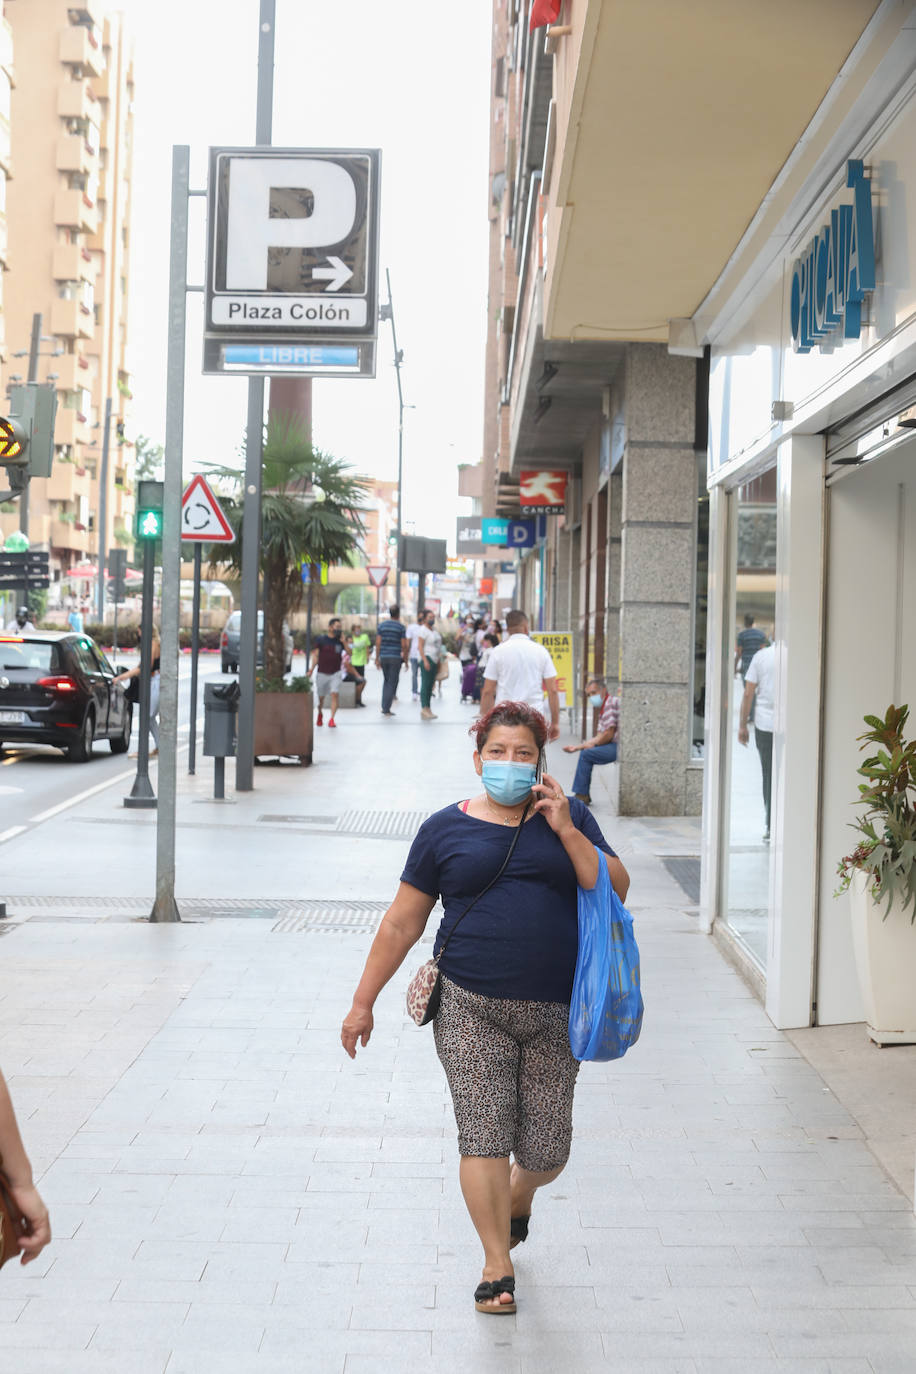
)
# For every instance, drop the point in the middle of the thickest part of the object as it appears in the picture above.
(150, 496)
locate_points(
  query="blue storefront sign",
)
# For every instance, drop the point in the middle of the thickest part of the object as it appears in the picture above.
(493, 531)
(522, 534)
(832, 277)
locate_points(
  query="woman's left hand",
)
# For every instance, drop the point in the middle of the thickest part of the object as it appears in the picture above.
(552, 803)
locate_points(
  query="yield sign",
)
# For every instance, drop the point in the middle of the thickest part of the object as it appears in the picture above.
(378, 574)
(202, 516)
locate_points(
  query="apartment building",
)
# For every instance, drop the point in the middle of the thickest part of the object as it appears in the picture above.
(67, 221)
(6, 89)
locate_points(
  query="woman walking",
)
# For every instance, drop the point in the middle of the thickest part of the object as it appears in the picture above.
(502, 1027)
(155, 653)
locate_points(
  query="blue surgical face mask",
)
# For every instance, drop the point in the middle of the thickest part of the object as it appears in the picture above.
(508, 783)
(596, 698)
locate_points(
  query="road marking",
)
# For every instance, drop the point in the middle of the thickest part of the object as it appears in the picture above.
(80, 796)
(7, 791)
(12, 832)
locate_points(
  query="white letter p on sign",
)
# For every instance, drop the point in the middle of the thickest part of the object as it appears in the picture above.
(250, 230)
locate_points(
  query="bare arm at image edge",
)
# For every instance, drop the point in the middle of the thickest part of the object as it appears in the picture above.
(553, 697)
(19, 1172)
(487, 696)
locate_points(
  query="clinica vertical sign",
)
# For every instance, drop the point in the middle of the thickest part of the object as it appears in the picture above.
(837, 270)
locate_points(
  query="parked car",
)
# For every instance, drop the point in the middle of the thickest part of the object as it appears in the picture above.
(57, 687)
(229, 643)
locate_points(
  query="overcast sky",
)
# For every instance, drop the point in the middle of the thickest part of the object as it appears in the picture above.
(411, 78)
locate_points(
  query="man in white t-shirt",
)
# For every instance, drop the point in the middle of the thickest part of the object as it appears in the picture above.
(759, 682)
(413, 655)
(521, 670)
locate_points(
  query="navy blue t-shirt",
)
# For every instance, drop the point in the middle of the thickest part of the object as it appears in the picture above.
(391, 632)
(521, 939)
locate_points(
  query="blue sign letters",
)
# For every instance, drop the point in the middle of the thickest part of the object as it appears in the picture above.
(830, 280)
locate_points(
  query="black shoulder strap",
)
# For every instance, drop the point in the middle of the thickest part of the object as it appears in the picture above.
(495, 879)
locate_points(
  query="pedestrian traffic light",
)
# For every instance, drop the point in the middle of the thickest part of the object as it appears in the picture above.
(149, 509)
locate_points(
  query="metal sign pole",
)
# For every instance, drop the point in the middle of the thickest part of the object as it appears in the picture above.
(251, 515)
(195, 650)
(164, 907)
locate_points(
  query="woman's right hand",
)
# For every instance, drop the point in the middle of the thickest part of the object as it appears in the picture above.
(357, 1026)
(29, 1203)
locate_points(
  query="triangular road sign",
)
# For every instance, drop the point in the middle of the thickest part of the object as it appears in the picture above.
(202, 516)
(378, 574)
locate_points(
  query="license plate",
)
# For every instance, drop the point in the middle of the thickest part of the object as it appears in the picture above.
(12, 717)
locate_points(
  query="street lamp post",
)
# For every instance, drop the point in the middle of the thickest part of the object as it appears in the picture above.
(386, 312)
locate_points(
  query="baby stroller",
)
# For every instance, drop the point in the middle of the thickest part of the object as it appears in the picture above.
(468, 681)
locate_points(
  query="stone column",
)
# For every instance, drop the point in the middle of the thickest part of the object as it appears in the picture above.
(657, 571)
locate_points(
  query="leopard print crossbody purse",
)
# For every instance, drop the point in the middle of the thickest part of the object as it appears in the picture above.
(424, 990)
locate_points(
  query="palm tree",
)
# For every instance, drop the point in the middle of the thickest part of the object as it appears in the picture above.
(310, 514)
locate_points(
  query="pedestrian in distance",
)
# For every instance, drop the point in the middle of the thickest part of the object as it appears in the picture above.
(154, 683)
(327, 656)
(34, 1231)
(413, 655)
(759, 692)
(75, 620)
(502, 1027)
(749, 640)
(430, 654)
(21, 624)
(602, 746)
(521, 670)
(490, 641)
(359, 646)
(390, 655)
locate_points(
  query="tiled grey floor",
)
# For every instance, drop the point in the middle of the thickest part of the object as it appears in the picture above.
(231, 1195)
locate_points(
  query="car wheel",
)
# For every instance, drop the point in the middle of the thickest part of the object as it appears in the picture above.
(121, 743)
(80, 751)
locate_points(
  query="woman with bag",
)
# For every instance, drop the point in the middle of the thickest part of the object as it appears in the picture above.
(508, 864)
(24, 1225)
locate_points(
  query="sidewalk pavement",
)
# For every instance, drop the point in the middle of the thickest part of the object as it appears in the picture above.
(229, 1193)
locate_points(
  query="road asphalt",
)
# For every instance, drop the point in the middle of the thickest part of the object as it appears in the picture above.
(231, 1195)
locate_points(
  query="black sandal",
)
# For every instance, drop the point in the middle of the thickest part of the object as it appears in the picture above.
(518, 1230)
(486, 1291)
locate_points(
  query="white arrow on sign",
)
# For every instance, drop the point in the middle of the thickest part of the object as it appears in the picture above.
(202, 516)
(335, 275)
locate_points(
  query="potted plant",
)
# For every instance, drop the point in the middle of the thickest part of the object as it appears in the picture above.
(310, 514)
(880, 876)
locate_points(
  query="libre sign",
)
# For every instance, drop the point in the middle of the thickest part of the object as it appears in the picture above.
(831, 279)
(291, 258)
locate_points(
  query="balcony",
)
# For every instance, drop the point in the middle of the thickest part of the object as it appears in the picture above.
(66, 536)
(6, 47)
(470, 480)
(75, 101)
(61, 485)
(70, 429)
(80, 48)
(74, 210)
(74, 154)
(69, 320)
(72, 263)
(72, 373)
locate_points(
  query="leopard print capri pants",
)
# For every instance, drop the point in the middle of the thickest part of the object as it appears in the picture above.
(511, 1074)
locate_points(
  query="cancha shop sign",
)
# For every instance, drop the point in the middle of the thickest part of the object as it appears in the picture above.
(831, 278)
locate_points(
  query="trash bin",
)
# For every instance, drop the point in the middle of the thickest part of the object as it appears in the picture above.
(221, 702)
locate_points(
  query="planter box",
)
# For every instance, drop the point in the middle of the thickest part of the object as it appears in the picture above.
(885, 953)
(283, 724)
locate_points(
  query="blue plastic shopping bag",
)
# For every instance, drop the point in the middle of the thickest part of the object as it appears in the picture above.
(605, 1013)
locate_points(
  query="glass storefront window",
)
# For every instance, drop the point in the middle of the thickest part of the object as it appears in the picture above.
(698, 692)
(747, 898)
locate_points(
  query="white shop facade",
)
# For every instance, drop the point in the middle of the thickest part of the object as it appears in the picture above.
(812, 491)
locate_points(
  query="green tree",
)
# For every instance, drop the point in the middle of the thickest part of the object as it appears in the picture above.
(310, 514)
(148, 459)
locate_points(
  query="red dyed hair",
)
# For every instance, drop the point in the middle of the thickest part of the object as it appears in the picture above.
(510, 713)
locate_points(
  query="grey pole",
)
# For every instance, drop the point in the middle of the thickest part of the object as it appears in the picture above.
(103, 511)
(254, 437)
(34, 345)
(397, 369)
(164, 907)
(195, 650)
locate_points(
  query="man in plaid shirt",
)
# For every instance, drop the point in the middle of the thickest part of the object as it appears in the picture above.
(602, 747)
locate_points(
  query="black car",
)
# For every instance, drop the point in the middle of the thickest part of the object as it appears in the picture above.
(57, 687)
